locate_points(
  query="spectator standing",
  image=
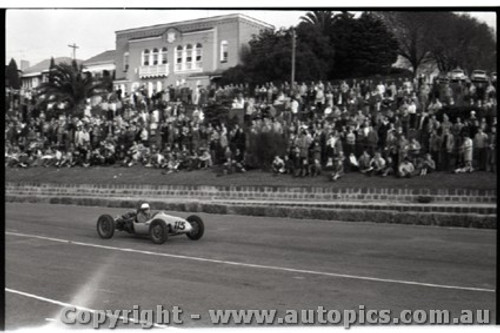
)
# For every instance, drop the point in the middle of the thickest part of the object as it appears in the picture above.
(481, 146)
(468, 147)
(492, 151)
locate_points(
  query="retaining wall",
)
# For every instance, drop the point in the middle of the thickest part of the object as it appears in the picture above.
(269, 193)
(458, 208)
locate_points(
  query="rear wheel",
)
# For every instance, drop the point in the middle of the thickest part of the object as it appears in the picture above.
(198, 227)
(105, 226)
(158, 232)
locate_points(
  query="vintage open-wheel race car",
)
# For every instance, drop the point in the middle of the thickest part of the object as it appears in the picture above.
(159, 227)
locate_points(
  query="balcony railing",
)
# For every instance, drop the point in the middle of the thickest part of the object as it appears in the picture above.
(189, 67)
(153, 71)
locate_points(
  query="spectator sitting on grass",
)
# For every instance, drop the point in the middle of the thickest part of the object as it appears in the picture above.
(406, 169)
(377, 164)
(388, 170)
(23, 159)
(239, 163)
(173, 163)
(205, 158)
(353, 162)
(157, 158)
(57, 157)
(364, 163)
(47, 157)
(427, 165)
(67, 160)
(10, 156)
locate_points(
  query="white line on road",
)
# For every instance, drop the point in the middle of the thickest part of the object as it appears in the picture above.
(68, 305)
(275, 268)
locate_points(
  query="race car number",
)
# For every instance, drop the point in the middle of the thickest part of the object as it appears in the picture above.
(179, 225)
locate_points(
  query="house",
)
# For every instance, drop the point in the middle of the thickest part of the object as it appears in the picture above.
(33, 76)
(101, 65)
(188, 53)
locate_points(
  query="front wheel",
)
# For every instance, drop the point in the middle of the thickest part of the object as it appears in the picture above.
(105, 226)
(198, 227)
(158, 232)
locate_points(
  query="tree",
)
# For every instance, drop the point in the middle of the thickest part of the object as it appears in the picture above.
(268, 57)
(235, 75)
(70, 86)
(12, 75)
(412, 31)
(315, 56)
(446, 38)
(51, 69)
(327, 46)
(463, 41)
(363, 47)
(320, 19)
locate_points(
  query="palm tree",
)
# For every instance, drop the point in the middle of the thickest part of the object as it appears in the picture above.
(70, 85)
(322, 19)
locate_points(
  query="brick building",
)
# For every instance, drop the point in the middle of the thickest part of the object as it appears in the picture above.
(182, 53)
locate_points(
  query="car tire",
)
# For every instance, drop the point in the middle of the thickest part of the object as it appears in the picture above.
(105, 226)
(158, 232)
(198, 227)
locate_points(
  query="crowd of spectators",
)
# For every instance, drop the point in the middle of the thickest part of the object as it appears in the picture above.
(398, 127)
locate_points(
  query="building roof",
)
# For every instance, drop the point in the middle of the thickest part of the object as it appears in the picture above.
(200, 20)
(105, 57)
(45, 64)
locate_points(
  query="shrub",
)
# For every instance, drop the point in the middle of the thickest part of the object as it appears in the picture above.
(263, 147)
(218, 112)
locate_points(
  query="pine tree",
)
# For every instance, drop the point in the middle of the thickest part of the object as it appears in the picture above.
(12, 75)
(51, 69)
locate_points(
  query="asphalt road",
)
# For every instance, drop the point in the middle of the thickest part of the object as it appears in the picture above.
(55, 259)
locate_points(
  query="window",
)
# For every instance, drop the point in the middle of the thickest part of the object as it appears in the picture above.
(164, 55)
(155, 57)
(223, 51)
(178, 58)
(145, 58)
(189, 56)
(198, 63)
(125, 61)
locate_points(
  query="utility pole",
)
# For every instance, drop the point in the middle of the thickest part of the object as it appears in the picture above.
(293, 57)
(74, 47)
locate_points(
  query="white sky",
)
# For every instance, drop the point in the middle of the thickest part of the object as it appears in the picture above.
(38, 34)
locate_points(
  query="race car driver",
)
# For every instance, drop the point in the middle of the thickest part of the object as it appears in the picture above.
(143, 213)
(126, 221)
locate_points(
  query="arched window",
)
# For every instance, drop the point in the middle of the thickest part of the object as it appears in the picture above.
(178, 58)
(189, 56)
(155, 57)
(198, 59)
(125, 61)
(164, 55)
(145, 57)
(223, 51)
